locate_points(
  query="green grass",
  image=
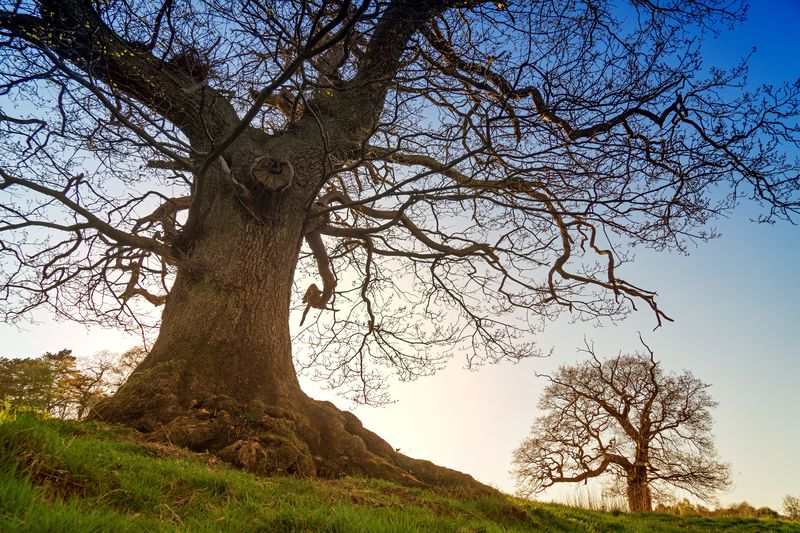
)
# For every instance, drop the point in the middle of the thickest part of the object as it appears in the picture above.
(78, 476)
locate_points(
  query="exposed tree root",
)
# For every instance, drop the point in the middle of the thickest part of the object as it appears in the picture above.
(297, 436)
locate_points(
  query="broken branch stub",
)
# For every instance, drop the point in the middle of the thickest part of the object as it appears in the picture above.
(273, 174)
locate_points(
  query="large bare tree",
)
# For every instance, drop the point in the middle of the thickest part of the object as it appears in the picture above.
(623, 418)
(428, 176)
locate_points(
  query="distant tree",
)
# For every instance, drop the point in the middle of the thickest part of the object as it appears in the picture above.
(62, 385)
(26, 383)
(626, 418)
(741, 510)
(65, 373)
(766, 512)
(791, 506)
(448, 173)
(38, 383)
(745, 510)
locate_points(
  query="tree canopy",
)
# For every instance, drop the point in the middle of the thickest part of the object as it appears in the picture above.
(628, 420)
(487, 163)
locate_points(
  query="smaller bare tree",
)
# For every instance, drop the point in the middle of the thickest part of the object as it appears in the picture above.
(791, 506)
(625, 418)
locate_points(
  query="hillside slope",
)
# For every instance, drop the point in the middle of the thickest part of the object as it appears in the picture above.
(76, 476)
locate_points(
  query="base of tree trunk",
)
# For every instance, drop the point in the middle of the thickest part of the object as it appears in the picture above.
(639, 498)
(295, 435)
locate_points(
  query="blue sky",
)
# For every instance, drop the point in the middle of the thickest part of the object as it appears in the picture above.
(735, 301)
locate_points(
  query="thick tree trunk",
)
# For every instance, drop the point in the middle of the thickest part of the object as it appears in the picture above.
(639, 499)
(220, 376)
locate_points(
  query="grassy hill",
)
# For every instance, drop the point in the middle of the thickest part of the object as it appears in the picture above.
(77, 476)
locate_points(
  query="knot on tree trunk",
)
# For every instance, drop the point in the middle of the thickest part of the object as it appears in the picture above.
(272, 173)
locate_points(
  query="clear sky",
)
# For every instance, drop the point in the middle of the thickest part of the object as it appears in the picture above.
(735, 301)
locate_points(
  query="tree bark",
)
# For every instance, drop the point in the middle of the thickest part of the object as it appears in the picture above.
(220, 376)
(639, 499)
